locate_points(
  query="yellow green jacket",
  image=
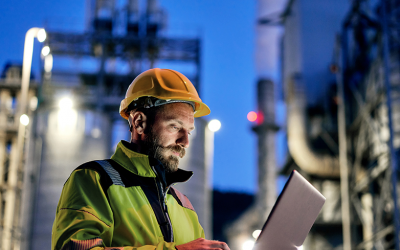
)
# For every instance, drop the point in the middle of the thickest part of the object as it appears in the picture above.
(126, 202)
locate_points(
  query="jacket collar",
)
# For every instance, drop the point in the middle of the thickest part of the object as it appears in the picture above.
(141, 164)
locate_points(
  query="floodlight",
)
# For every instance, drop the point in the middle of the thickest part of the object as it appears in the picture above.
(45, 50)
(65, 103)
(24, 119)
(48, 63)
(214, 125)
(41, 35)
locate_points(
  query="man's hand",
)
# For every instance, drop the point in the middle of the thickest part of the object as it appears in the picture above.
(203, 244)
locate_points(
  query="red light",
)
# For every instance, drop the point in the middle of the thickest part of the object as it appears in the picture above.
(252, 116)
(260, 118)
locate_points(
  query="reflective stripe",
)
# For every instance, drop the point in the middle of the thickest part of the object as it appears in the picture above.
(82, 244)
(114, 175)
(182, 199)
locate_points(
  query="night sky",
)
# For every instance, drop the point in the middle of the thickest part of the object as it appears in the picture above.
(228, 78)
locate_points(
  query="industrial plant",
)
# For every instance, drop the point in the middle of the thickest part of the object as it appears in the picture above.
(339, 80)
(333, 65)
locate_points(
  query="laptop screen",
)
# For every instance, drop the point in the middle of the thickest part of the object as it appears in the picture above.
(292, 216)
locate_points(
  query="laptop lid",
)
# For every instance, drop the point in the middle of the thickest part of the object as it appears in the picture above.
(292, 216)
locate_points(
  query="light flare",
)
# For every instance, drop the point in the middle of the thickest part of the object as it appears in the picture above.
(24, 119)
(214, 125)
(46, 50)
(248, 245)
(41, 35)
(256, 233)
(65, 103)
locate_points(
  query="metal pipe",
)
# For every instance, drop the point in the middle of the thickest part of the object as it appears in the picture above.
(12, 186)
(343, 161)
(207, 189)
(299, 146)
(393, 159)
(255, 216)
(266, 193)
(18, 145)
(27, 65)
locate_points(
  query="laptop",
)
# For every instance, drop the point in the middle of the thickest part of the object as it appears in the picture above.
(292, 216)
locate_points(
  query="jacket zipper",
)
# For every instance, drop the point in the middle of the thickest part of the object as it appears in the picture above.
(164, 205)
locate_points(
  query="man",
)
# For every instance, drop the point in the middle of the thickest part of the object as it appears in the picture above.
(127, 202)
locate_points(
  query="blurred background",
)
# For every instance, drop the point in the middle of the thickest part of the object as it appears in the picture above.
(308, 85)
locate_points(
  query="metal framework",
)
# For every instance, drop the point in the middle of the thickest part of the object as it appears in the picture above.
(131, 49)
(370, 73)
(124, 46)
(12, 181)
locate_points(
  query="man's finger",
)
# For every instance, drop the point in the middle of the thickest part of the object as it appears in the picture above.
(220, 245)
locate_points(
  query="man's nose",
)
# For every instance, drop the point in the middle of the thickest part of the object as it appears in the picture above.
(183, 139)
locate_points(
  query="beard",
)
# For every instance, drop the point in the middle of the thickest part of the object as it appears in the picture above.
(159, 152)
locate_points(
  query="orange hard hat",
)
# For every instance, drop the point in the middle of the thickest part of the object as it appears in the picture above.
(166, 85)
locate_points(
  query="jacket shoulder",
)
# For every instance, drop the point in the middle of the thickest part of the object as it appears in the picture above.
(105, 179)
(92, 165)
(182, 199)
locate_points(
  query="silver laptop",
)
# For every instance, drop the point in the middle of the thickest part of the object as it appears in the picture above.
(292, 216)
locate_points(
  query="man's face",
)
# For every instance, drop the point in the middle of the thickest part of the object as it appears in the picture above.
(169, 135)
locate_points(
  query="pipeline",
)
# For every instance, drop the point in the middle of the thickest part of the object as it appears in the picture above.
(299, 146)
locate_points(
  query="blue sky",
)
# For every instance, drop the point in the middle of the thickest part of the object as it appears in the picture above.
(228, 77)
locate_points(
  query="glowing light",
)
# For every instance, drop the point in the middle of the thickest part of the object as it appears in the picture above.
(96, 133)
(300, 247)
(67, 117)
(214, 125)
(252, 116)
(24, 119)
(256, 233)
(67, 120)
(248, 245)
(48, 63)
(45, 50)
(41, 35)
(65, 103)
(33, 103)
(260, 118)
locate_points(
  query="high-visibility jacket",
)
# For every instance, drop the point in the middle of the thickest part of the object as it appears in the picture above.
(126, 202)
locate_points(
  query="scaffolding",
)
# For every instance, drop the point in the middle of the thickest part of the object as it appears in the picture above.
(13, 164)
(369, 90)
(140, 45)
(362, 148)
(133, 50)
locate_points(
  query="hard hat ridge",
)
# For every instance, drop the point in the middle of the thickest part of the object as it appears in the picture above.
(149, 102)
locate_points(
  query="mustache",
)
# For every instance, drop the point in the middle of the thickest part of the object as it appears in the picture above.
(177, 149)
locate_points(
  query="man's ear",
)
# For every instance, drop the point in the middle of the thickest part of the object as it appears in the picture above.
(137, 122)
